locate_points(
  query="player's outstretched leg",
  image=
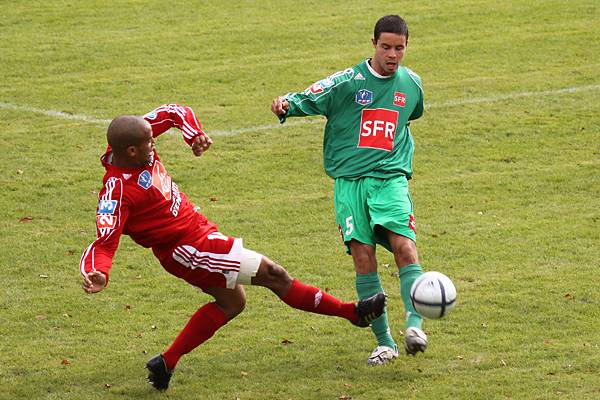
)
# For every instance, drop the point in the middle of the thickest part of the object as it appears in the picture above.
(309, 298)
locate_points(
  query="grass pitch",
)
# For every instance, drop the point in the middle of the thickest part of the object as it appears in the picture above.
(506, 188)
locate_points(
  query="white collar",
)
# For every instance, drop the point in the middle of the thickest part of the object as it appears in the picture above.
(375, 73)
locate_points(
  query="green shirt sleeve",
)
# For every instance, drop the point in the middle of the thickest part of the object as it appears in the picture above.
(420, 107)
(316, 99)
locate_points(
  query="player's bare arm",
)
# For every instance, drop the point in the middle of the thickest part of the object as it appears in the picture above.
(279, 106)
(94, 282)
(200, 144)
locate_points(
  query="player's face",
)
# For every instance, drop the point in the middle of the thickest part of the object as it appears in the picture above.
(145, 149)
(389, 50)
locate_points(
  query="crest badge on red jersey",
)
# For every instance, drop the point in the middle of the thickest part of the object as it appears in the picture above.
(145, 179)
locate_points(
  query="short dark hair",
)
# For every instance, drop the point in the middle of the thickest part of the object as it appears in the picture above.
(390, 24)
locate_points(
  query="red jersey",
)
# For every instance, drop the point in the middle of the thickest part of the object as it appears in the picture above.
(144, 202)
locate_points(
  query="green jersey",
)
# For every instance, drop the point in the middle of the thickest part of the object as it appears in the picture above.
(367, 132)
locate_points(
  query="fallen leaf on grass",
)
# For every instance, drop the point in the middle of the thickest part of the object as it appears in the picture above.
(286, 341)
(569, 296)
(244, 374)
(26, 219)
(107, 385)
(43, 276)
(345, 397)
(64, 361)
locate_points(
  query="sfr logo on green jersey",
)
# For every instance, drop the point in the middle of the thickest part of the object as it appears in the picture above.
(399, 99)
(378, 128)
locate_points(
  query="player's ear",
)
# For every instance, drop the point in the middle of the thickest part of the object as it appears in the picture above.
(131, 151)
(374, 42)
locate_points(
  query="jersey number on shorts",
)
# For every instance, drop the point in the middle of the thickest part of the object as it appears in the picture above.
(349, 226)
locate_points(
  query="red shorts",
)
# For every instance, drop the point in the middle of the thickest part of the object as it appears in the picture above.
(205, 258)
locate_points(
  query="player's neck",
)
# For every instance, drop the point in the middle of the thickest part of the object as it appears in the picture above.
(120, 162)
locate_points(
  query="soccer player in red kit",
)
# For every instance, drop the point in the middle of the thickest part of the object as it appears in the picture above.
(141, 200)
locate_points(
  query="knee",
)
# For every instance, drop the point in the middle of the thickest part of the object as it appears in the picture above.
(363, 256)
(364, 260)
(272, 276)
(406, 253)
(277, 274)
(234, 305)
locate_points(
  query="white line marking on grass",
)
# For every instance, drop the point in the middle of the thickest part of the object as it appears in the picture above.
(233, 132)
(495, 99)
(294, 122)
(57, 114)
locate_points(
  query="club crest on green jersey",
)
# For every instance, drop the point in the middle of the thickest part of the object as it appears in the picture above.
(364, 97)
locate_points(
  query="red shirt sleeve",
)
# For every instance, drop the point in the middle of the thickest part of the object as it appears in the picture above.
(110, 220)
(168, 116)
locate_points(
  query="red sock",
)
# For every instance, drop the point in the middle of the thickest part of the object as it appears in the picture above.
(312, 299)
(203, 324)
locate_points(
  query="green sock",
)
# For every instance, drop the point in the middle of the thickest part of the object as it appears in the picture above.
(368, 285)
(409, 274)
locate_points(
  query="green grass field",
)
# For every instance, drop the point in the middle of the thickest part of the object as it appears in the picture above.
(506, 190)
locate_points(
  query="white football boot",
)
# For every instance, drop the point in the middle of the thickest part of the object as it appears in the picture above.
(382, 355)
(415, 340)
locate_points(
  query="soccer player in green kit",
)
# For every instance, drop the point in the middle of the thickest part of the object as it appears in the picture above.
(368, 151)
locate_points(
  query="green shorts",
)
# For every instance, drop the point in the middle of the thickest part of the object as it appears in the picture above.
(364, 205)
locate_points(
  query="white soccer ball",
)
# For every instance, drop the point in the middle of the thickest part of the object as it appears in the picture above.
(433, 295)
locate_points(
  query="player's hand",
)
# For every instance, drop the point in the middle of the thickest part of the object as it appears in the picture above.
(200, 144)
(279, 106)
(93, 282)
